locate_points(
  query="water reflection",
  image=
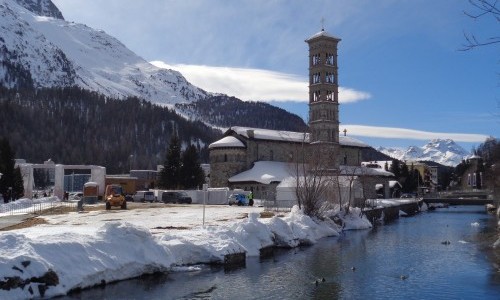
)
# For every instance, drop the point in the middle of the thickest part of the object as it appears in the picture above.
(405, 259)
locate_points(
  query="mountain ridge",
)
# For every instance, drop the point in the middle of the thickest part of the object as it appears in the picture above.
(58, 53)
(42, 50)
(442, 151)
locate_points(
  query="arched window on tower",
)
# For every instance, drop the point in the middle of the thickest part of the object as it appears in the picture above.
(316, 96)
(330, 60)
(330, 77)
(329, 95)
(316, 78)
(316, 59)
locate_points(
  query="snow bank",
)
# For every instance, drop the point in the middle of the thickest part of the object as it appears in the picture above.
(118, 251)
(57, 261)
(354, 220)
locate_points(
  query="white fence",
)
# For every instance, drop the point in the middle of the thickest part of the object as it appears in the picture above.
(27, 206)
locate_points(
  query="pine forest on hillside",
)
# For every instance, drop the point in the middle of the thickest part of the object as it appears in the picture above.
(225, 111)
(75, 126)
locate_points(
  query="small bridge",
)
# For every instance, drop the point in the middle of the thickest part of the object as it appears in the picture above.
(460, 201)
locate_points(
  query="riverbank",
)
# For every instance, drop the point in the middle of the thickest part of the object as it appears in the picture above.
(78, 250)
(360, 264)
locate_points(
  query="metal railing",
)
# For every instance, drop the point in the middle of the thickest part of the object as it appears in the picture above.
(13, 208)
(271, 204)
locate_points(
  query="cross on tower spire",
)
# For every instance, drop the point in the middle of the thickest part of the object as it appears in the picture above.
(322, 24)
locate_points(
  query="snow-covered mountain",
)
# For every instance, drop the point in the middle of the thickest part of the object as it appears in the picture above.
(445, 152)
(38, 47)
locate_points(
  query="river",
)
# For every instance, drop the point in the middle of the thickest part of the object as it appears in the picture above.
(406, 259)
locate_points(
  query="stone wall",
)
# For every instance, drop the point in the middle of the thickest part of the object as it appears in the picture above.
(225, 163)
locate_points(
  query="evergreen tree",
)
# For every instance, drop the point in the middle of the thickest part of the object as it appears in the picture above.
(395, 169)
(405, 178)
(11, 183)
(192, 175)
(17, 184)
(170, 175)
(41, 178)
(414, 180)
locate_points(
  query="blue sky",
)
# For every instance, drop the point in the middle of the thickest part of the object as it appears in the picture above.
(403, 79)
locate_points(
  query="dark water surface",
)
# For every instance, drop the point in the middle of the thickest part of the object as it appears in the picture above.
(402, 260)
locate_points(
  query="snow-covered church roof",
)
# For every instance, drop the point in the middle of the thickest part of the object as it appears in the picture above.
(273, 171)
(269, 134)
(227, 142)
(285, 136)
(264, 172)
(352, 142)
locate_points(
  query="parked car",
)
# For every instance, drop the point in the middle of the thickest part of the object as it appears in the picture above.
(75, 196)
(144, 196)
(176, 197)
(238, 199)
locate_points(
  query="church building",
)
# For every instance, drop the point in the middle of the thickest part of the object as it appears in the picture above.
(259, 159)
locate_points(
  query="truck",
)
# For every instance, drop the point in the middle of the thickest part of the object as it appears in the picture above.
(114, 196)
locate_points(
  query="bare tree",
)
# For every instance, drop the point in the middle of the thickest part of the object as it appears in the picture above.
(482, 8)
(350, 183)
(312, 173)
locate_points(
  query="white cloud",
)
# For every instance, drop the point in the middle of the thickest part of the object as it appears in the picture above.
(403, 133)
(254, 84)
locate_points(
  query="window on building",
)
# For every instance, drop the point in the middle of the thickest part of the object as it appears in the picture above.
(329, 95)
(225, 157)
(316, 96)
(316, 59)
(330, 77)
(330, 60)
(316, 78)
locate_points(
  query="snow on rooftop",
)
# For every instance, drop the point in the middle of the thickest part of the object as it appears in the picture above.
(322, 33)
(268, 134)
(362, 170)
(289, 136)
(264, 172)
(227, 142)
(272, 171)
(392, 184)
(350, 141)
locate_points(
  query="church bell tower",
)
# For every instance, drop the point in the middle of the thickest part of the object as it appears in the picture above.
(323, 95)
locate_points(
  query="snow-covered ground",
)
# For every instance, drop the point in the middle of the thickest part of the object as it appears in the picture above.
(78, 250)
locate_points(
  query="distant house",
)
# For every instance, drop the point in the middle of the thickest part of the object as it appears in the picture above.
(473, 175)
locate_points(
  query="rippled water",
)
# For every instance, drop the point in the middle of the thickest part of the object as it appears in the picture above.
(402, 260)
